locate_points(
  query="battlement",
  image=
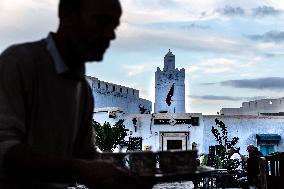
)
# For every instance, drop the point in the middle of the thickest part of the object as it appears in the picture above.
(171, 76)
(110, 88)
(256, 107)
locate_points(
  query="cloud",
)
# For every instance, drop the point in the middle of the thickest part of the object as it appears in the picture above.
(272, 55)
(231, 11)
(137, 69)
(194, 26)
(213, 97)
(266, 11)
(26, 20)
(155, 4)
(269, 83)
(139, 38)
(260, 11)
(271, 36)
(175, 25)
(225, 98)
(219, 65)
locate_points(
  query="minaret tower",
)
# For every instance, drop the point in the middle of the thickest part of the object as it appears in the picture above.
(169, 87)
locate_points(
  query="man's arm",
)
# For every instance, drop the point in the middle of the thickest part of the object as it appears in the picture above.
(22, 163)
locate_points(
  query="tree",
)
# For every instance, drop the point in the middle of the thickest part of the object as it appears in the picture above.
(108, 137)
(221, 136)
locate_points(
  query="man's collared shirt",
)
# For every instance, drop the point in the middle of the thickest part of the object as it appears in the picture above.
(41, 108)
(59, 64)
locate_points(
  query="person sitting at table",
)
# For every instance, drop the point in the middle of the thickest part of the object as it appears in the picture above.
(211, 159)
(235, 156)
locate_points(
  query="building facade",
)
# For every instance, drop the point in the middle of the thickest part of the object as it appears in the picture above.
(168, 131)
(257, 122)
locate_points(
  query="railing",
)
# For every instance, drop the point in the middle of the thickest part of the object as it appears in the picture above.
(272, 171)
(222, 178)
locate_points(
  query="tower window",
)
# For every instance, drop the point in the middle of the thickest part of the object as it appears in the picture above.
(120, 90)
(106, 86)
(127, 91)
(133, 91)
(113, 88)
(99, 85)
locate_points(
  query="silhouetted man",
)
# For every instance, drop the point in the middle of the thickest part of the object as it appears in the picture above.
(253, 165)
(46, 138)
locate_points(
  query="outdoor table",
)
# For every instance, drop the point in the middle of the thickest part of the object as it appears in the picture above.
(221, 178)
(201, 172)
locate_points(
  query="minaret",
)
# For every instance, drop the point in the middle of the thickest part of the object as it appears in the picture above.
(169, 87)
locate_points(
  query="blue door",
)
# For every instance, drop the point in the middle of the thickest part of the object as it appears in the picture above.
(267, 149)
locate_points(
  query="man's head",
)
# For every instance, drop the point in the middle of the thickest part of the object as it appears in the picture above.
(88, 26)
(250, 148)
(231, 151)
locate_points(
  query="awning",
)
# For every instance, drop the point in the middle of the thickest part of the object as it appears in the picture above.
(268, 137)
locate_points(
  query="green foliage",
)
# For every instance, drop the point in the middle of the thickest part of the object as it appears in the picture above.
(221, 136)
(109, 137)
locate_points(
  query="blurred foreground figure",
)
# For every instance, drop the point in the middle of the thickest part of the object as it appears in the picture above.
(46, 105)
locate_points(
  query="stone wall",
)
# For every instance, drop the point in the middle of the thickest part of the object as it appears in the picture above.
(113, 95)
(256, 107)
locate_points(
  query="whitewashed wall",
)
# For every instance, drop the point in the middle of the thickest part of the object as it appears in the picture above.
(151, 132)
(113, 95)
(256, 107)
(246, 128)
(164, 80)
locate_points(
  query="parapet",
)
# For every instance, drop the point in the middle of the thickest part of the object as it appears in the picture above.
(110, 88)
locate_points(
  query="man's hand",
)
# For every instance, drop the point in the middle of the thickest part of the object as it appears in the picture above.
(105, 174)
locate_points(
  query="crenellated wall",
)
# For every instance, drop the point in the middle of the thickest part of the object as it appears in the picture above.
(257, 107)
(112, 95)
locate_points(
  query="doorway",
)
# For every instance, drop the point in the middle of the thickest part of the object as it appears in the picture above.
(174, 141)
(174, 144)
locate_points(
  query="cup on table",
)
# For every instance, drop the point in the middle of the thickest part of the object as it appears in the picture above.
(142, 163)
(118, 158)
(177, 161)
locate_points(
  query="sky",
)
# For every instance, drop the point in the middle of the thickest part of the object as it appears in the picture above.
(232, 51)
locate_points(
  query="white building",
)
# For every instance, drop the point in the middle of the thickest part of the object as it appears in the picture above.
(175, 129)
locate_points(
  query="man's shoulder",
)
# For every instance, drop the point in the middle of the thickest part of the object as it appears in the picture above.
(23, 56)
(23, 49)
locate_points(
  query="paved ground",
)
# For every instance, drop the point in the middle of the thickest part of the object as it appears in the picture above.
(174, 185)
